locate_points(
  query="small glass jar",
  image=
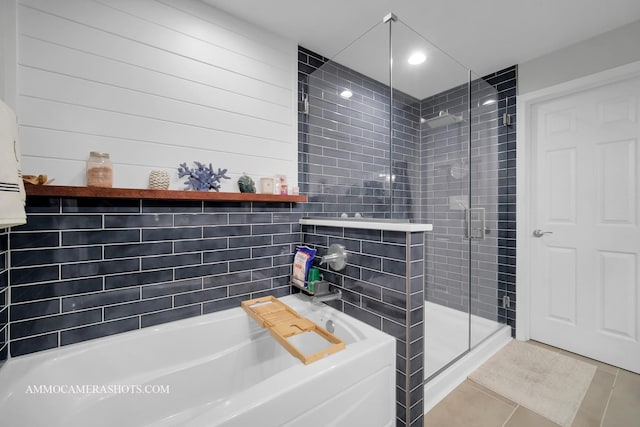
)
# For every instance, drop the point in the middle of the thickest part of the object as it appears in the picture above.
(99, 170)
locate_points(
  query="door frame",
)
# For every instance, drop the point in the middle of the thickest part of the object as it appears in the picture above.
(525, 163)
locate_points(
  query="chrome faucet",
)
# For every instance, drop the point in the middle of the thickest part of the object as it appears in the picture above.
(325, 291)
(331, 296)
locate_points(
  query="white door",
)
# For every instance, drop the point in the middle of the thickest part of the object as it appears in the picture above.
(585, 286)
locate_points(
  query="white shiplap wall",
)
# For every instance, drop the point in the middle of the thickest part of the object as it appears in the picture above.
(154, 83)
(8, 52)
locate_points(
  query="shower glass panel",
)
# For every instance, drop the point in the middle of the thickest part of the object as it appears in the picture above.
(431, 171)
(346, 165)
(392, 127)
(484, 181)
(461, 198)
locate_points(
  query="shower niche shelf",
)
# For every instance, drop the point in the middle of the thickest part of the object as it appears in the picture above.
(140, 193)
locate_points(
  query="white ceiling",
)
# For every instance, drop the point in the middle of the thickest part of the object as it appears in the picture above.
(484, 35)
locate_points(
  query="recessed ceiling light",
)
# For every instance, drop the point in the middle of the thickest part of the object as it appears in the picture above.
(346, 94)
(417, 58)
(489, 101)
(422, 120)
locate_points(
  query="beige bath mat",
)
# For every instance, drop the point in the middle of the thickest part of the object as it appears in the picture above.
(549, 383)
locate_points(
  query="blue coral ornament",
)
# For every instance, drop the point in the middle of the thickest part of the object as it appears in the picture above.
(202, 178)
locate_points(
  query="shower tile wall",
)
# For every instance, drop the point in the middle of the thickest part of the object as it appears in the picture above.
(86, 268)
(377, 290)
(344, 167)
(4, 294)
(492, 187)
(343, 144)
(506, 83)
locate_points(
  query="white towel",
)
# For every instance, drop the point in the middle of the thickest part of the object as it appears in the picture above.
(12, 195)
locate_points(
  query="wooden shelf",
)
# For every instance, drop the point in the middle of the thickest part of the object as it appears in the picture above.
(139, 193)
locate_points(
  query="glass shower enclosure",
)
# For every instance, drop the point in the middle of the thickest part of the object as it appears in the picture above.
(396, 128)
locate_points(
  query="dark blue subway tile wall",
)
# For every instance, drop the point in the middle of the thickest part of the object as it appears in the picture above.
(506, 82)
(345, 161)
(445, 153)
(382, 286)
(87, 268)
(4, 294)
(431, 160)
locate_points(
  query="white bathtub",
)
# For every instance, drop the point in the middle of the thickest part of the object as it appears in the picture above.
(221, 369)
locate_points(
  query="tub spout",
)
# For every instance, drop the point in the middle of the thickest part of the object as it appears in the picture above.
(333, 294)
(325, 292)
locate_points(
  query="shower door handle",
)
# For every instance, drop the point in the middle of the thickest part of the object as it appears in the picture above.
(472, 232)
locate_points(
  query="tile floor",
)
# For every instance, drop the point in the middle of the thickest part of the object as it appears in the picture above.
(612, 400)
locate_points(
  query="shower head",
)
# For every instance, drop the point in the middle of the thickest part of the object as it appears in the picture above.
(443, 119)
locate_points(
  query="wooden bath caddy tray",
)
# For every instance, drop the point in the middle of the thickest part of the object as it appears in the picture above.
(284, 323)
